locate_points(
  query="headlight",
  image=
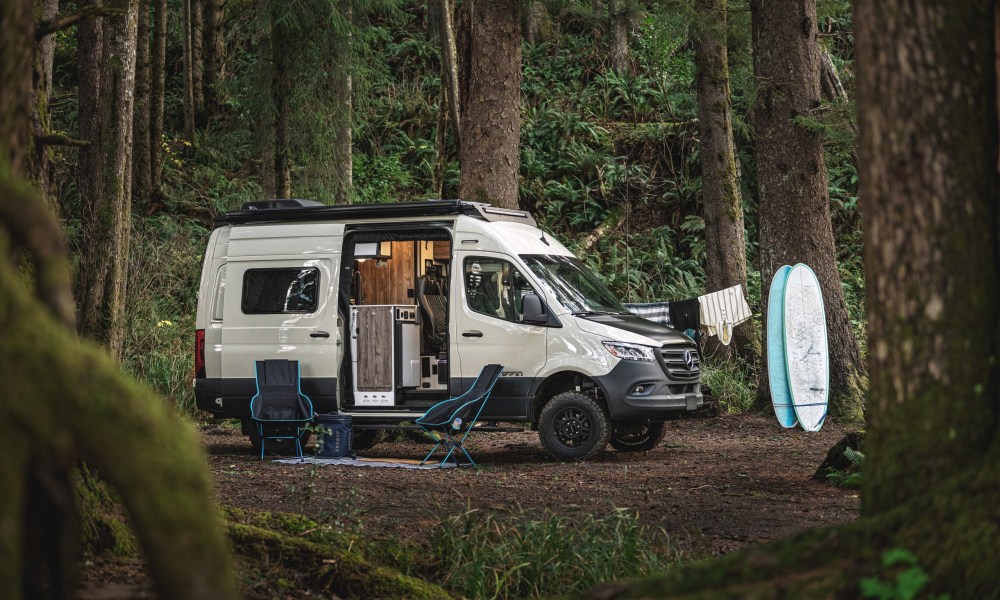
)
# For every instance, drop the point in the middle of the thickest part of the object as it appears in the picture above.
(630, 351)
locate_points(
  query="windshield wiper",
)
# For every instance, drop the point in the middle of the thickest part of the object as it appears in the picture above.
(588, 313)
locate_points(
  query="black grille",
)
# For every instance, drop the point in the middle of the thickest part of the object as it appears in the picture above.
(676, 364)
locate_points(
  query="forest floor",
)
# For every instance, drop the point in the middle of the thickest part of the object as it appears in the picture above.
(714, 485)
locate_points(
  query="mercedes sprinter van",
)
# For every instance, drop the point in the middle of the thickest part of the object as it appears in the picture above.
(391, 308)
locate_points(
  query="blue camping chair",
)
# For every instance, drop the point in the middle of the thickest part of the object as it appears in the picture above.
(280, 410)
(453, 419)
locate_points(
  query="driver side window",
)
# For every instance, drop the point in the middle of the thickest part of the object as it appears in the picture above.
(494, 287)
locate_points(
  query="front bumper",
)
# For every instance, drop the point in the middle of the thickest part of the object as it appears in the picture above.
(640, 390)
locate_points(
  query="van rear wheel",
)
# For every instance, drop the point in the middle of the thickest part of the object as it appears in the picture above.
(279, 447)
(637, 437)
(364, 439)
(573, 426)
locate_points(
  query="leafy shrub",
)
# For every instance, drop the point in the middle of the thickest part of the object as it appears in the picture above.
(733, 384)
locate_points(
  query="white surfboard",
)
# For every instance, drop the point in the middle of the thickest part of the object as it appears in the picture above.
(807, 357)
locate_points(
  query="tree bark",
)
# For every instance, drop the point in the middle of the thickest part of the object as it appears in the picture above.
(491, 100)
(618, 24)
(117, 101)
(92, 272)
(16, 90)
(281, 86)
(794, 201)
(188, 68)
(829, 79)
(931, 241)
(157, 85)
(215, 55)
(449, 65)
(725, 244)
(142, 148)
(344, 151)
(198, 62)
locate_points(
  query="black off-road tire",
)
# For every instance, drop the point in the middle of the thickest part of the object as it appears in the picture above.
(640, 437)
(573, 426)
(363, 439)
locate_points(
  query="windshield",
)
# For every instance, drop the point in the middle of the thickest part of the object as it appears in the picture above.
(573, 285)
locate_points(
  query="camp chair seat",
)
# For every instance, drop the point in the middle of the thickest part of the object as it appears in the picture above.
(450, 421)
(279, 409)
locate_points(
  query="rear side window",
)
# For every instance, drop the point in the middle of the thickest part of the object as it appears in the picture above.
(271, 291)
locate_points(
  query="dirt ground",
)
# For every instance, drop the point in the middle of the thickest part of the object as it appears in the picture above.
(715, 484)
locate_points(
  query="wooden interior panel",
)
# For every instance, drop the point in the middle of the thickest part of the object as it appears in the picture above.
(375, 349)
(442, 250)
(392, 283)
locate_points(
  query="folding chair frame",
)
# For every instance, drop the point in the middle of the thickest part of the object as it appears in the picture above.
(300, 424)
(445, 434)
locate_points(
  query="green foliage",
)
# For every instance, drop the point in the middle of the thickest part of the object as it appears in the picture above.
(850, 477)
(481, 555)
(910, 579)
(159, 347)
(733, 384)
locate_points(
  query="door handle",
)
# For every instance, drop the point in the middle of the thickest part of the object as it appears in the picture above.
(319, 334)
(472, 334)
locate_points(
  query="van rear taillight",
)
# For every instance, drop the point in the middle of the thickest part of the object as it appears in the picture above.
(199, 353)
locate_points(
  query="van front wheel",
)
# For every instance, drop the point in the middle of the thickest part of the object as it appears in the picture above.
(573, 426)
(637, 437)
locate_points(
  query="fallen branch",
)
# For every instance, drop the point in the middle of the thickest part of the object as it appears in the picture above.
(69, 19)
(58, 139)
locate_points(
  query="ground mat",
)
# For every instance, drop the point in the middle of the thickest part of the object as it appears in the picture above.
(398, 463)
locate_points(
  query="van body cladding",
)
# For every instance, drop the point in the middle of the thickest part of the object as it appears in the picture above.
(510, 399)
(234, 394)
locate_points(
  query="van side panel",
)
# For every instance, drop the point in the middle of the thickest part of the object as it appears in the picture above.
(309, 331)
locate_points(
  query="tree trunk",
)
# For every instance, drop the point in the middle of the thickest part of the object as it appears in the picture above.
(534, 14)
(117, 100)
(449, 65)
(930, 241)
(794, 201)
(16, 90)
(38, 167)
(344, 155)
(198, 62)
(281, 86)
(215, 55)
(156, 92)
(92, 272)
(141, 151)
(725, 245)
(829, 79)
(491, 99)
(188, 67)
(618, 23)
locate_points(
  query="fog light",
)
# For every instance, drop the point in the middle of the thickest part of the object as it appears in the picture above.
(643, 389)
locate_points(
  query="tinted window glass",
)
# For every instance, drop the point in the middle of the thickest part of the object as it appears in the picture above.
(495, 287)
(268, 291)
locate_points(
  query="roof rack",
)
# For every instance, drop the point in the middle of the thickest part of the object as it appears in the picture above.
(271, 211)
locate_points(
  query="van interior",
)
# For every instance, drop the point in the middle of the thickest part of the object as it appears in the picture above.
(395, 305)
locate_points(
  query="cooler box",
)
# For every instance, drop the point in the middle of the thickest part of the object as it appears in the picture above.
(333, 435)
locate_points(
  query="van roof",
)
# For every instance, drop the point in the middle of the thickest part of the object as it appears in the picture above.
(272, 212)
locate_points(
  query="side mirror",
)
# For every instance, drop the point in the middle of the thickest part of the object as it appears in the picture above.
(532, 310)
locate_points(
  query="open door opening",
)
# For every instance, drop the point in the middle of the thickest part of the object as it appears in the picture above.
(394, 296)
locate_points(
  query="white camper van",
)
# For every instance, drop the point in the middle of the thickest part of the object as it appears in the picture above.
(391, 308)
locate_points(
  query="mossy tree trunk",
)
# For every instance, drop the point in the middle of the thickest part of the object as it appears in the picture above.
(344, 89)
(932, 265)
(725, 242)
(794, 200)
(490, 97)
(215, 55)
(618, 27)
(930, 206)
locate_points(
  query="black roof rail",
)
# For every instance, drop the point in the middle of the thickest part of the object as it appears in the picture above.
(278, 211)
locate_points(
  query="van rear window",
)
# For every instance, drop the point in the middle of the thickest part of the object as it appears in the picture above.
(271, 291)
